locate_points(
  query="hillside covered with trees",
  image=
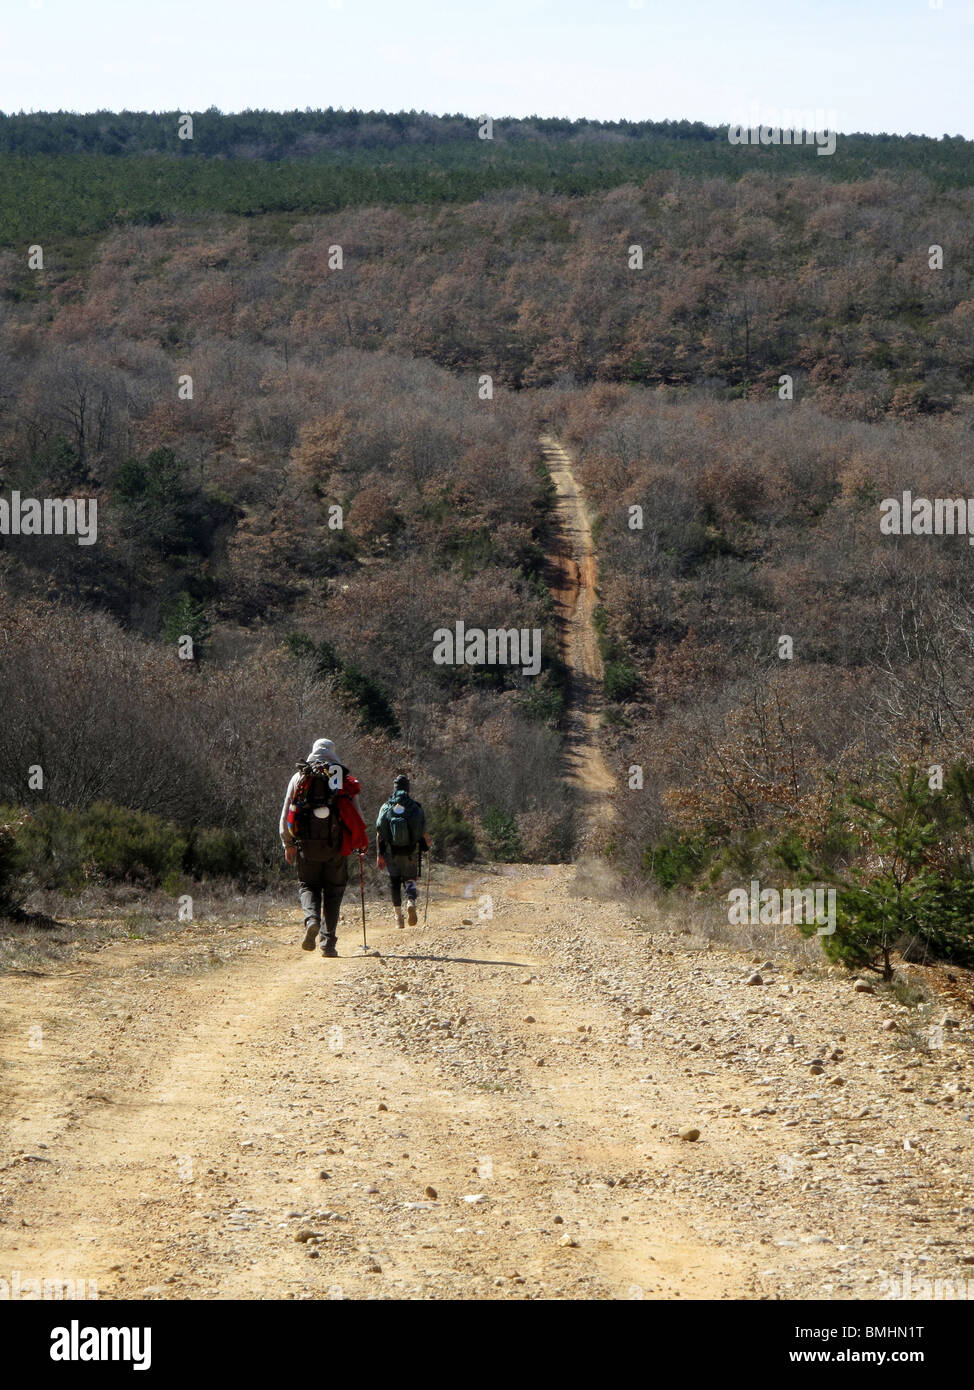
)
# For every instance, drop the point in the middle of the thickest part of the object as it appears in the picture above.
(355, 381)
(66, 174)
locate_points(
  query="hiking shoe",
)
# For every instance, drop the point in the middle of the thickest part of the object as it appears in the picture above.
(399, 921)
(328, 946)
(411, 917)
(310, 937)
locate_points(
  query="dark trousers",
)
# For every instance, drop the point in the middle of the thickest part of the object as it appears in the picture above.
(403, 869)
(395, 885)
(322, 887)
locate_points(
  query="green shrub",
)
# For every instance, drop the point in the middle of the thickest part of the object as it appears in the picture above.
(10, 864)
(609, 648)
(918, 897)
(374, 710)
(791, 851)
(544, 701)
(129, 845)
(61, 849)
(452, 836)
(745, 854)
(621, 680)
(322, 656)
(183, 616)
(216, 854)
(503, 837)
(677, 861)
(172, 883)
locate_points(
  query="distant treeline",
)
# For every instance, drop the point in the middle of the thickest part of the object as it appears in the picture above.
(62, 174)
(286, 134)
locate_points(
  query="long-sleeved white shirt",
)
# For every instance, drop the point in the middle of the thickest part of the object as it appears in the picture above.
(292, 787)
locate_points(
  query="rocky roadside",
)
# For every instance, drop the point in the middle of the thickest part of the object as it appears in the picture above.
(544, 1095)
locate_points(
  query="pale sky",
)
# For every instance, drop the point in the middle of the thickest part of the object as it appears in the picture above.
(893, 65)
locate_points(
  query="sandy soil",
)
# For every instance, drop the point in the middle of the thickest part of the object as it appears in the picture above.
(489, 1109)
(543, 1095)
(572, 580)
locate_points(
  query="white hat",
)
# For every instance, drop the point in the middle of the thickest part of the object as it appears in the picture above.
(323, 751)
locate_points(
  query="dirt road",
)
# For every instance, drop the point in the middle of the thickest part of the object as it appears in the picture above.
(572, 580)
(492, 1108)
(487, 1110)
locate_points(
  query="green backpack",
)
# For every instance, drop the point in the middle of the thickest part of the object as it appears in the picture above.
(401, 821)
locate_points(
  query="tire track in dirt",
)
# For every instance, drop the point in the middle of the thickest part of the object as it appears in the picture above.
(204, 1099)
(488, 1109)
(186, 1142)
(572, 581)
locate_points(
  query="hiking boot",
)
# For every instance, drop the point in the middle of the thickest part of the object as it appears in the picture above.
(411, 917)
(310, 936)
(399, 921)
(328, 946)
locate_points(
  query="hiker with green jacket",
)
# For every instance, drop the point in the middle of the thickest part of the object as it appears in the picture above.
(401, 839)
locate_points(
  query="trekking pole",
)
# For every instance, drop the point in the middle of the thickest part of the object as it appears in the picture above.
(361, 879)
(429, 875)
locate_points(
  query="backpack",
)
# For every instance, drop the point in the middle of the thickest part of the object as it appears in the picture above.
(312, 817)
(401, 818)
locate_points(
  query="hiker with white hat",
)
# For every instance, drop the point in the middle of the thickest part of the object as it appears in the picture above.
(321, 824)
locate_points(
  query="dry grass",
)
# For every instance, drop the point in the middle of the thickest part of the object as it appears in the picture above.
(57, 929)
